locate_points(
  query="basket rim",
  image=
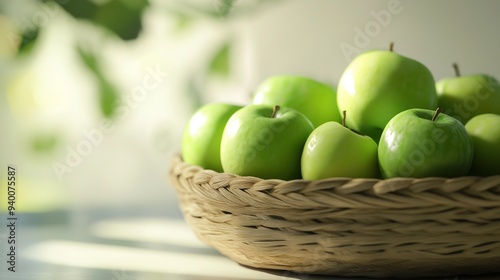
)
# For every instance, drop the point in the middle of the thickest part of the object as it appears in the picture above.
(379, 186)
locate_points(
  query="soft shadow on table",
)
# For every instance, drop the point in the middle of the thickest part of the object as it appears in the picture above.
(301, 276)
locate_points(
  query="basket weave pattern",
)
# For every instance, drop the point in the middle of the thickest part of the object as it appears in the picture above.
(399, 227)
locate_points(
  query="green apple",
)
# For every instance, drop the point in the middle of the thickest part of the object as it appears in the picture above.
(202, 135)
(333, 150)
(316, 100)
(265, 141)
(379, 84)
(464, 97)
(423, 143)
(484, 131)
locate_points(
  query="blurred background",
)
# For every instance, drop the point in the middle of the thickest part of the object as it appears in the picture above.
(94, 94)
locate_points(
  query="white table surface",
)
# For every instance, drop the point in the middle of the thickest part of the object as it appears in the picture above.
(126, 246)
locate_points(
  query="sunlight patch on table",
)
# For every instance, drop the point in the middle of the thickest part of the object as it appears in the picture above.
(167, 231)
(112, 257)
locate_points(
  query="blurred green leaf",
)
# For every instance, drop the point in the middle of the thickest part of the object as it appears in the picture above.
(135, 4)
(89, 60)
(182, 22)
(219, 64)
(122, 17)
(108, 98)
(28, 41)
(108, 95)
(224, 7)
(81, 9)
(44, 142)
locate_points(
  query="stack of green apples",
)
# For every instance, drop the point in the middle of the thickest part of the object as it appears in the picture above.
(387, 118)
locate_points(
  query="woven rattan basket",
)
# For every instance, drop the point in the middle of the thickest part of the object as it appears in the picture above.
(357, 227)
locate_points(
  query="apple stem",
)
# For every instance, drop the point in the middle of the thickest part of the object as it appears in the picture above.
(275, 111)
(457, 70)
(391, 46)
(343, 117)
(436, 114)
